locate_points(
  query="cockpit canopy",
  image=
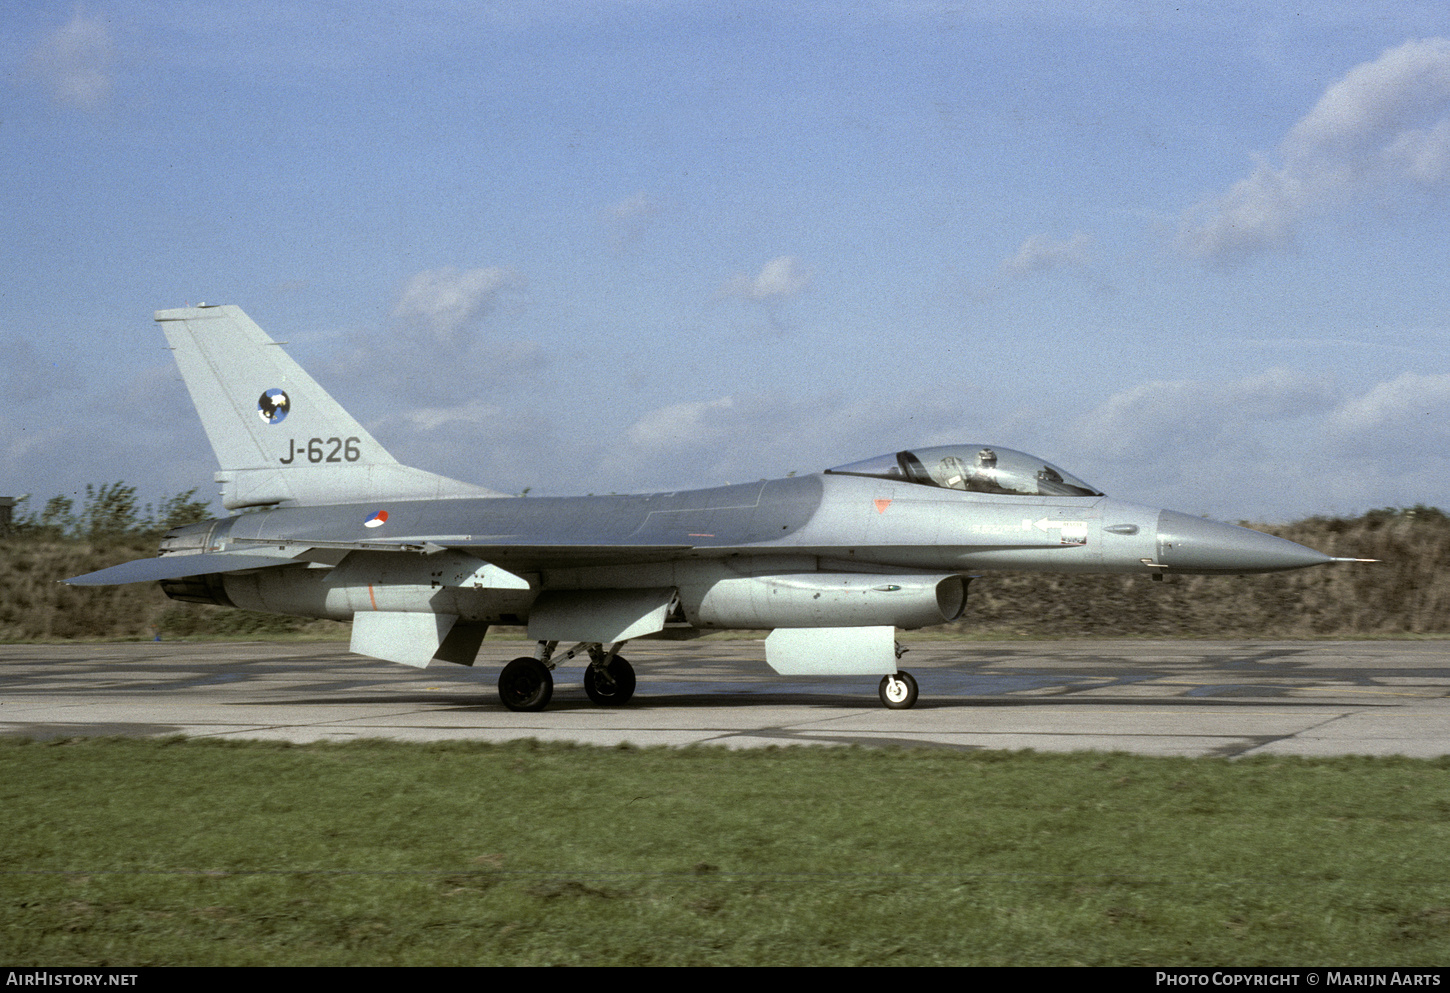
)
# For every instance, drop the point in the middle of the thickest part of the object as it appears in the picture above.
(974, 468)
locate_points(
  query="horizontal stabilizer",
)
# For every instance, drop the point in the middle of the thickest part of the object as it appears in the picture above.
(176, 567)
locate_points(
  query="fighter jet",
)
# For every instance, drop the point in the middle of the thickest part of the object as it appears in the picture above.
(831, 564)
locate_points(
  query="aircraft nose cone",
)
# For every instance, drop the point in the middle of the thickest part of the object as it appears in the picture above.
(1192, 544)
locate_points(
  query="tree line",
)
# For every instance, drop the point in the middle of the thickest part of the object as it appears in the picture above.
(1405, 592)
(107, 511)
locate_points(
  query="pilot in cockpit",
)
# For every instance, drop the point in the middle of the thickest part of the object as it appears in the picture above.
(983, 478)
(951, 473)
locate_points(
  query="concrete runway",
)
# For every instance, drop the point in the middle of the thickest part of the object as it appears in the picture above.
(1150, 697)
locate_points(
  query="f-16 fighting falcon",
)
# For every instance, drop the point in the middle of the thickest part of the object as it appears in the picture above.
(831, 563)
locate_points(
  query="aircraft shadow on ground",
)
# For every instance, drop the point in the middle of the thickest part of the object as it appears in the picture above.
(644, 701)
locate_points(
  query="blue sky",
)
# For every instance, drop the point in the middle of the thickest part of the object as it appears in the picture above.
(1196, 257)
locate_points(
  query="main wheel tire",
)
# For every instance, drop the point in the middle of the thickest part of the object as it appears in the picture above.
(899, 691)
(525, 684)
(612, 690)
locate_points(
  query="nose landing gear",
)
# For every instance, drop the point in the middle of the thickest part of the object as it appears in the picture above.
(898, 691)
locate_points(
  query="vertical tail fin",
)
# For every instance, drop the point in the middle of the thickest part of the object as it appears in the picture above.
(279, 437)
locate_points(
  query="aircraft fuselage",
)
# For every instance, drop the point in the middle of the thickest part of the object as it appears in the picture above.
(703, 541)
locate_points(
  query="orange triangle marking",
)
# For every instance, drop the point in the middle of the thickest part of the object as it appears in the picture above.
(881, 505)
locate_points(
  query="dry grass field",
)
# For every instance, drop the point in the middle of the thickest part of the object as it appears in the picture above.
(1407, 593)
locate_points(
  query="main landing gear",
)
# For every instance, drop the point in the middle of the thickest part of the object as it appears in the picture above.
(525, 684)
(611, 684)
(528, 683)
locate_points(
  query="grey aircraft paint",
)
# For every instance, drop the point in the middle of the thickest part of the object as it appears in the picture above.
(421, 564)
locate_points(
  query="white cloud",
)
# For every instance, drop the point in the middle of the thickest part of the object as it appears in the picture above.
(1274, 446)
(1269, 446)
(1411, 411)
(639, 205)
(492, 442)
(779, 279)
(438, 345)
(472, 412)
(1174, 417)
(681, 425)
(74, 62)
(628, 220)
(1041, 254)
(1385, 124)
(445, 303)
(1376, 101)
(741, 438)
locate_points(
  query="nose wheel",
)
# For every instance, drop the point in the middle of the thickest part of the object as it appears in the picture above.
(898, 691)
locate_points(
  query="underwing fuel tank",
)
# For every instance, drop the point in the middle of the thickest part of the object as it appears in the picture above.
(819, 599)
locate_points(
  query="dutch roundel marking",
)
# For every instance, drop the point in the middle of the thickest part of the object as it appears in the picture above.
(273, 406)
(377, 520)
(881, 505)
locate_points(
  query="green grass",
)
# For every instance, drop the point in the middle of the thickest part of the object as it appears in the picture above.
(145, 852)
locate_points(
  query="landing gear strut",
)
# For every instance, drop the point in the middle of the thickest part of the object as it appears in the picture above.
(899, 691)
